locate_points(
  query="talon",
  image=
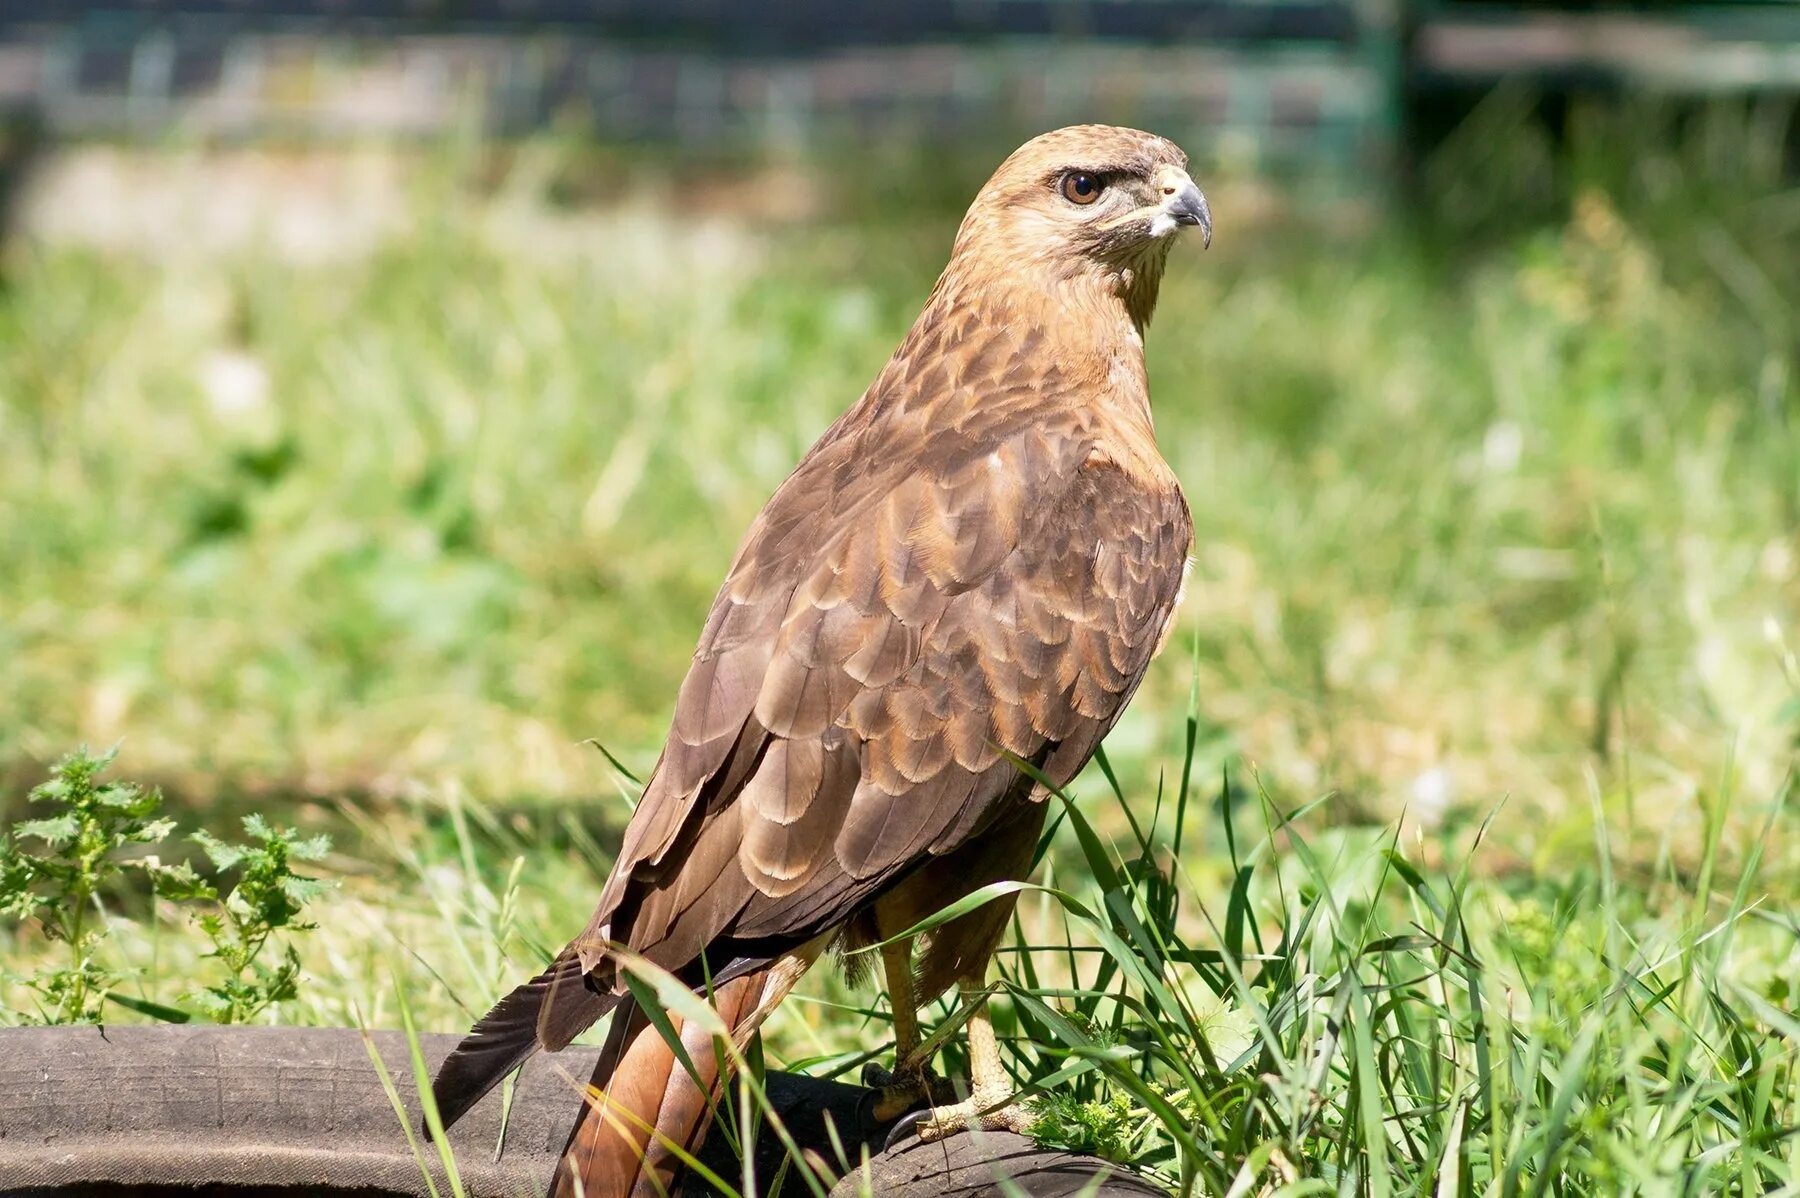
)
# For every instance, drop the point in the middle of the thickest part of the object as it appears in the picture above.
(908, 1127)
(909, 1086)
(895, 1101)
(974, 1114)
(896, 1097)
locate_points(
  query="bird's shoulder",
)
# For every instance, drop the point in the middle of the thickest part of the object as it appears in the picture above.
(901, 508)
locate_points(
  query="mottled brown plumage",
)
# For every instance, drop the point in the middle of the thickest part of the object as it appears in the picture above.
(979, 559)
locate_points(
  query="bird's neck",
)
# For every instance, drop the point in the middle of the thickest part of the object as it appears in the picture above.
(1090, 325)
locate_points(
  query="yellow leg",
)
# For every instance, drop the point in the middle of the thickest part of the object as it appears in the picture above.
(909, 1083)
(989, 1106)
(896, 964)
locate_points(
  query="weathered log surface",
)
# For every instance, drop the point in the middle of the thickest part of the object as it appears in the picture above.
(239, 1111)
(979, 1165)
(295, 1108)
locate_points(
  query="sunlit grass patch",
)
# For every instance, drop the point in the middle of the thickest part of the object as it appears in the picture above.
(1347, 1018)
(1338, 1007)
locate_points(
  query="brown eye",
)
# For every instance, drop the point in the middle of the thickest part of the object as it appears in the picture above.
(1079, 187)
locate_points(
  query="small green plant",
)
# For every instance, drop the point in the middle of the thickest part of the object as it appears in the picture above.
(58, 872)
(269, 897)
(57, 869)
(1111, 1127)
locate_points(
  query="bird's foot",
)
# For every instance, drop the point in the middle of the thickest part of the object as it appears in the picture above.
(989, 1112)
(905, 1087)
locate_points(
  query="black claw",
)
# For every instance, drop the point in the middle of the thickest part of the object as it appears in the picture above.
(905, 1129)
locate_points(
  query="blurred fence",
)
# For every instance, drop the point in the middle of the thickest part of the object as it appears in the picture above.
(1277, 82)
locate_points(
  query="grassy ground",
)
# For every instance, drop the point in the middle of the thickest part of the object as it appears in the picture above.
(366, 516)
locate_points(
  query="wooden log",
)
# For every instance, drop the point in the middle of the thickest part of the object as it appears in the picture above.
(261, 1110)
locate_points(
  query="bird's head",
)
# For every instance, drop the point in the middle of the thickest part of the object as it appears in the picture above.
(1089, 203)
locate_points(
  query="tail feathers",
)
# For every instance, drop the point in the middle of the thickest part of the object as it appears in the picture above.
(547, 1012)
(644, 1110)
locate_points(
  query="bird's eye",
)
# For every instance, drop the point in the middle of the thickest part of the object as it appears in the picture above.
(1079, 187)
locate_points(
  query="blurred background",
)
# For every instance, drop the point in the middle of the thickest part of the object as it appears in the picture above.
(384, 387)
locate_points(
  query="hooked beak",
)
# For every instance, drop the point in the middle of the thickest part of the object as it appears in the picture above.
(1188, 207)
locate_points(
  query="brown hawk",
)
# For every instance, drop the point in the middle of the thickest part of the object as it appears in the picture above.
(975, 563)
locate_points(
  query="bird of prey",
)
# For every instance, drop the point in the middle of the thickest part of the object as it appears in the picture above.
(971, 568)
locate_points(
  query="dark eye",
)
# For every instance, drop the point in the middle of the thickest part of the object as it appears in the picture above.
(1079, 187)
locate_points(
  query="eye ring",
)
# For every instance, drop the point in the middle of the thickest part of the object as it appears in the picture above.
(1081, 187)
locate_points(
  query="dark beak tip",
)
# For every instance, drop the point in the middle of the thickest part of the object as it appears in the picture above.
(1202, 222)
(1190, 208)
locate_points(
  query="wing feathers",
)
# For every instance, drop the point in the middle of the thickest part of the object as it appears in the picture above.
(787, 841)
(867, 664)
(527, 1019)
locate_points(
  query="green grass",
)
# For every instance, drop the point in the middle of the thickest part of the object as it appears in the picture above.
(1342, 1020)
(1496, 498)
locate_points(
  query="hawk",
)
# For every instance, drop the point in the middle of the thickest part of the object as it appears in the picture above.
(972, 567)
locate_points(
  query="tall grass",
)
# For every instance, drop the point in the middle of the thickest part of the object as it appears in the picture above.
(1347, 1019)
